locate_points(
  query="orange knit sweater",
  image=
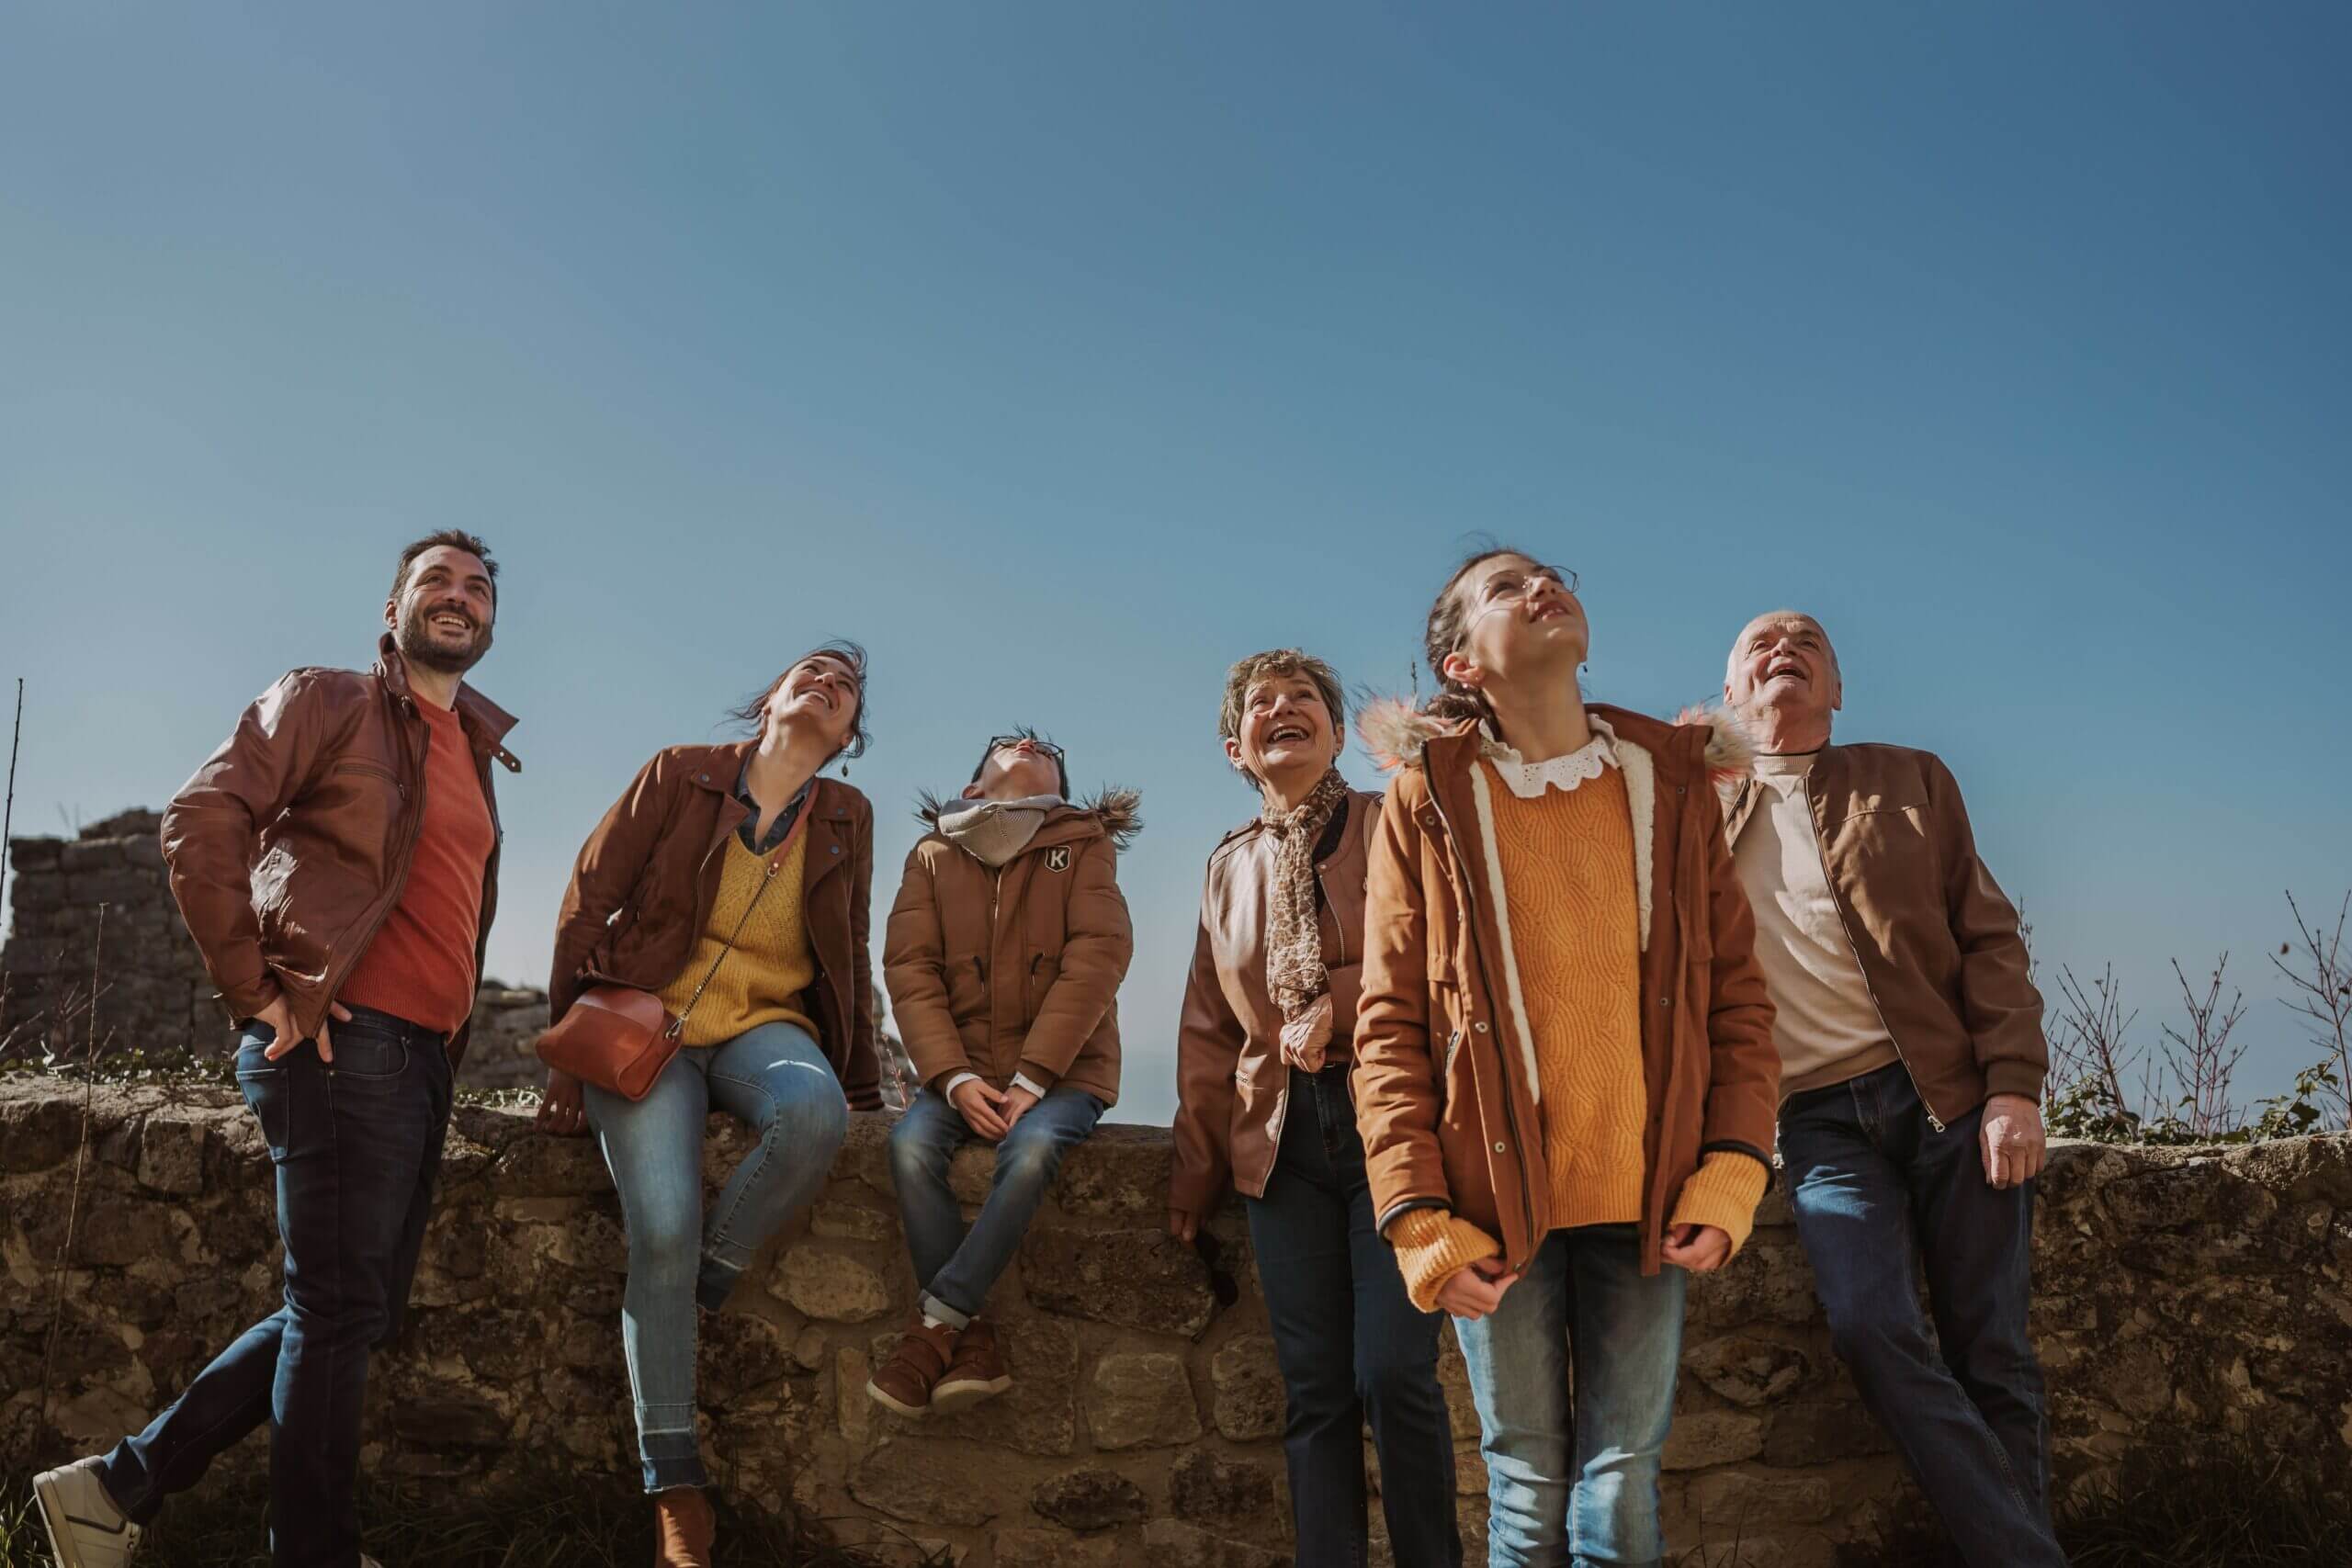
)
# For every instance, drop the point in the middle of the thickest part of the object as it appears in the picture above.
(1575, 935)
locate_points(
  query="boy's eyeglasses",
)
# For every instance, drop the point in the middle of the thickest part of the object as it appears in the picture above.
(1043, 748)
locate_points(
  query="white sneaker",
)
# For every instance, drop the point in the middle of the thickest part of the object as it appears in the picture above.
(85, 1530)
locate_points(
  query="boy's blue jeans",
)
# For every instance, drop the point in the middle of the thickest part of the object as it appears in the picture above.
(956, 1265)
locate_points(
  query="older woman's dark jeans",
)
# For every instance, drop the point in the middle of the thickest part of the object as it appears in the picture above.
(1351, 1347)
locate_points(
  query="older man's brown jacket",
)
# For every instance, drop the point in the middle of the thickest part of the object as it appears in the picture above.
(1938, 939)
(642, 890)
(292, 842)
(1016, 969)
(1445, 1076)
(1232, 1085)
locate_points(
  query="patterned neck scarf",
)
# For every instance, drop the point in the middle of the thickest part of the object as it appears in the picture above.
(1295, 971)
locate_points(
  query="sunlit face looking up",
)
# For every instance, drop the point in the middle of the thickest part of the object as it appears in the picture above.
(1520, 619)
(1286, 727)
(819, 693)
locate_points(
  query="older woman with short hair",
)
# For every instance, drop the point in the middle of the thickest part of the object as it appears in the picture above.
(1264, 1107)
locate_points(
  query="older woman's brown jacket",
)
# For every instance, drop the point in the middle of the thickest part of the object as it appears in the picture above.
(1232, 1086)
(1445, 1077)
(643, 886)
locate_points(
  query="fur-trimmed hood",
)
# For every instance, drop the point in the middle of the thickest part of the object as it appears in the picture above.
(1117, 811)
(1397, 734)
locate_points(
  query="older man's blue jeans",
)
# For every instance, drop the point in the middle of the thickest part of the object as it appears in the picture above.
(776, 1077)
(356, 1145)
(1878, 1190)
(1575, 1479)
(955, 1264)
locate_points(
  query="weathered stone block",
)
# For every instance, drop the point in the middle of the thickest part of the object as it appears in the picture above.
(830, 1285)
(1797, 1435)
(1746, 1370)
(1138, 1279)
(1169, 1544)
(846, 1220)
(1141, 1399)
(1704, 1437)
(1739, 1500)
(929, 1484)
(1090, 1498)
(1248, 1399)
(1032, 1548)
(1206, 1485)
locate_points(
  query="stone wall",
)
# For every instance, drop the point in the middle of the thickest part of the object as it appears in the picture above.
(2177, 1291)
(153, 992)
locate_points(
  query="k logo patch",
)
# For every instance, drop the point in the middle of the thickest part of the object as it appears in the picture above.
(1057, 859)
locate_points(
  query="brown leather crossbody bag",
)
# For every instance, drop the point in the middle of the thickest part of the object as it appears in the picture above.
(619, 1037)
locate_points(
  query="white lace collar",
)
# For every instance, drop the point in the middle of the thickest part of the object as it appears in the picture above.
(1564, 773)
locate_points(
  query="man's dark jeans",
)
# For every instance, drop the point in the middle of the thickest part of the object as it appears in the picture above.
(1351, 1347)
(1876, 1187)
(356, 1145)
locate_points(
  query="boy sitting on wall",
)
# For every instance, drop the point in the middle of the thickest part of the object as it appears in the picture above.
(1003, 959)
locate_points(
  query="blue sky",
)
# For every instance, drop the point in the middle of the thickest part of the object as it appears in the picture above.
(1064, 353)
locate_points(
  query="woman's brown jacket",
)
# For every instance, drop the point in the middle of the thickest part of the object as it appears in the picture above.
(1232, 1088)
(643, 886)
(1445, 1081)
(1016, 969)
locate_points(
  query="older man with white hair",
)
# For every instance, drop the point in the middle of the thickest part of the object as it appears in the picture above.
(1912, 1060)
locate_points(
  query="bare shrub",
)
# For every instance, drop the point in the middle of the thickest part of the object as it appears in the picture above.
(2322, 975)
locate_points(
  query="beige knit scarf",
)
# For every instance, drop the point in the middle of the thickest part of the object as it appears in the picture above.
(1295, 971)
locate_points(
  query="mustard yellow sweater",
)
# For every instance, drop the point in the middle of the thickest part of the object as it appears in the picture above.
(773, 964)
(1567, 862)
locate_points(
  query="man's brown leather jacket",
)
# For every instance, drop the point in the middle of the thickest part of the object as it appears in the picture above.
(292, 842)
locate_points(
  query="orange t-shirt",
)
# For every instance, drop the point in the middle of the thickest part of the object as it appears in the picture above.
(421, 964)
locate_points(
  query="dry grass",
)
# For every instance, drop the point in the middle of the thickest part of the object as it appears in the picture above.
(546, 1522)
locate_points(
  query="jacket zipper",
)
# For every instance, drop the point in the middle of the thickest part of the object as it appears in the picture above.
(1822, 858)
(1470, 903)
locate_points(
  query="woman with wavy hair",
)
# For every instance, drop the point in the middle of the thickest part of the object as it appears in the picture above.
(1565, 1066)
(1263, 1107)
(733, 882)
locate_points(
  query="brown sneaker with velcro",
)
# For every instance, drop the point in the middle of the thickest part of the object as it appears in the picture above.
(976, 1372)
(904, 1382)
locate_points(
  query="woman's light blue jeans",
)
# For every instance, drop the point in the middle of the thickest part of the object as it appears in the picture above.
(774, 1077)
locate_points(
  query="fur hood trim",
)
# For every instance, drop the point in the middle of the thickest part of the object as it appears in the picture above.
(1119, 812)
(1396, 733)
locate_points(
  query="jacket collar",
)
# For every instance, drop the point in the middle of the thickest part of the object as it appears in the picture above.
(480, 715)
(722, 768)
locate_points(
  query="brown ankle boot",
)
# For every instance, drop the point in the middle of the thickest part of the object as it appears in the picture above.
(903, 1382)
(683, 1527)
(976, 1372)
